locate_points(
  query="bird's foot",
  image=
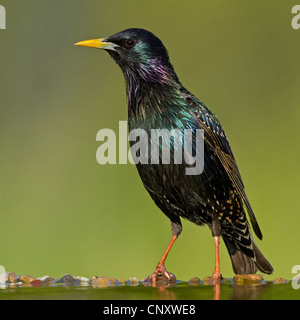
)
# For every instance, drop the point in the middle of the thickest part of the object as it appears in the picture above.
(216, 277)
(160, 275)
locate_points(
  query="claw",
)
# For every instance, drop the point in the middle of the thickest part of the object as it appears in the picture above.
(216, 278)
(160, 274)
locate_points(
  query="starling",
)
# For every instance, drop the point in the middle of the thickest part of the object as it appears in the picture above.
(216, 197)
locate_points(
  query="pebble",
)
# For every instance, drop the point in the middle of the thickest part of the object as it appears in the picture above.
(121, 281)
(43, 278)
(247, 278)
(67, 278)
(112, 280)
(100, 281)
(82, 279)
(12, 277)
(207, 280)
(133, 281)
(194, 281)
(50, 280)
(47, 280)
(94, 278)
(27, 279)
(13, 280)
(280, 281)
(36, 283)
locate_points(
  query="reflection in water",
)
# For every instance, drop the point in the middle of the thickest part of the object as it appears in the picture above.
(162, 292)
(233, 291)
(251, 291)
(217, 291)
(110, 289)
(247, 292)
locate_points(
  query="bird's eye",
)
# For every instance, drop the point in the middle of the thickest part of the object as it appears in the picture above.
(129, 43)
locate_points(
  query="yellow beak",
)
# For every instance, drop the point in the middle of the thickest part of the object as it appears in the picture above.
(98, 43)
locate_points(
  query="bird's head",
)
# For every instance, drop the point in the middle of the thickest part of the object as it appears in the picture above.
(139, 53)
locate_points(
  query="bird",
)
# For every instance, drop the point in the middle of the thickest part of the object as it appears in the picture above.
(216, 197)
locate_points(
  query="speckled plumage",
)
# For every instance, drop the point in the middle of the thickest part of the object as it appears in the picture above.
(157, 99)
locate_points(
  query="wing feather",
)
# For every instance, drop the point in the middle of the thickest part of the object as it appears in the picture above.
(220, 145)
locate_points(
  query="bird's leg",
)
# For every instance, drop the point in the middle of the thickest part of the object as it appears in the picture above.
(160, 268)
(216, 277)
(216, 230)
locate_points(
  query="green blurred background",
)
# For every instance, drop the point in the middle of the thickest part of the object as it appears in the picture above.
(63, 212)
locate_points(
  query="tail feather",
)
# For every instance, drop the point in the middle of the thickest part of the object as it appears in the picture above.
(247, 261)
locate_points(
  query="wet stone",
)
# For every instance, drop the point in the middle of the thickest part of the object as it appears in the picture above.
(94, 278)
(121, 281)
(247, 278)
(12, 277)
(67, 278)
(101, 282)
(112, 280)
(13, 281)
(81, 279)
(280, 281)
(194, 281)
(207, 280)
(133, 281)
(36, 283)
(26, 279)
(49, 280)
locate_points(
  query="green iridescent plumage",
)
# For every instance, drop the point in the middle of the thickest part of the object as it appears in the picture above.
(216, 197)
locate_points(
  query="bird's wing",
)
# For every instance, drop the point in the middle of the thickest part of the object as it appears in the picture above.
(215, 137)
